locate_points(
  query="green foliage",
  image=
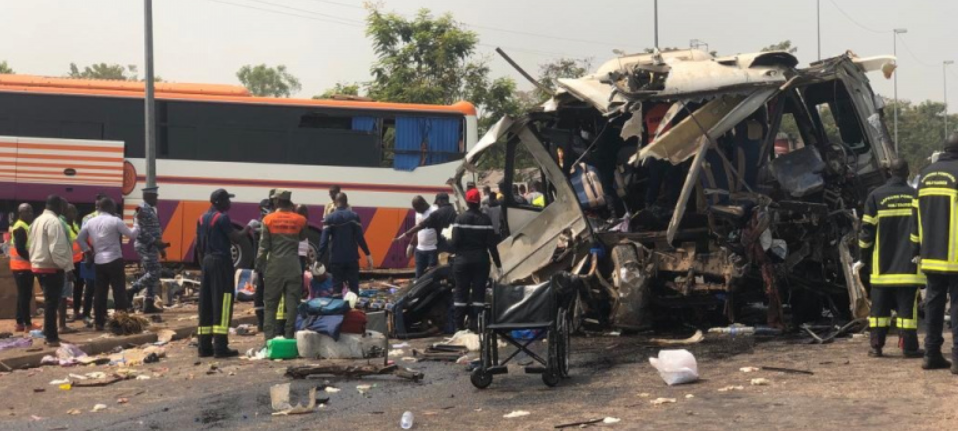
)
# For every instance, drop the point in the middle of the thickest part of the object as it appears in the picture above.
(5, 68)
(340, 89)
(433, 60)
(113, 72)
(921, 129)
(550, 73)
(785, 45)
(262, 80)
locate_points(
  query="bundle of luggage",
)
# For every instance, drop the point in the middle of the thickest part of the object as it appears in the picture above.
(330, 316)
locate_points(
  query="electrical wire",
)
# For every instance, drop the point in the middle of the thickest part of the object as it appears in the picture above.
(283, 13)
(912, 54)
(856, 22)
(309, 12)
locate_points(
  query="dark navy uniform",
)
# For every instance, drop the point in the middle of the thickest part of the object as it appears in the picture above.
(217, 287)
(887, 251)
(473, 240)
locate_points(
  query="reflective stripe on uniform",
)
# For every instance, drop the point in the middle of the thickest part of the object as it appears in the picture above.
(898, 279)
(938, 265)
(18, 263)
(879, 322)
(281, 310)
(472, 226)
(863, 244)
(204, 330)
(224, 327)
(907, 323)
(869, 219)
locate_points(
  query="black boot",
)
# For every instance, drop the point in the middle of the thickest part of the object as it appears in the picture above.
(908, 341)
(130, 293)
(934, 361)
(459, 316)
(877, 341)
(954, 361)
(149, 307)
(221, 347)
(259, 319)
(206, 346)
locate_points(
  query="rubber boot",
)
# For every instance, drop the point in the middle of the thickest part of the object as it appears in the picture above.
(206, 346)
(459, 316)
(149, 307)
(908, 341)
(259, 319)
(221, 347)
(877, 340)
(934, 361)
(954, 361)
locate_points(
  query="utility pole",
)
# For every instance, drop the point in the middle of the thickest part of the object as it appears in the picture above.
(149, 105)
(656, 13)
(894, 35)
(818, 13)
(944, 82)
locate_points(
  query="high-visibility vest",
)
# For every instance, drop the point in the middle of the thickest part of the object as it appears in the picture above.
(18, 263)
(77, 251)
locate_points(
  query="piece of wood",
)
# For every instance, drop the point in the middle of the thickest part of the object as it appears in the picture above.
(303, 371)
(575, 424)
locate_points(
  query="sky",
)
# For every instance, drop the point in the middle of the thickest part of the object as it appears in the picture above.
(323, 42)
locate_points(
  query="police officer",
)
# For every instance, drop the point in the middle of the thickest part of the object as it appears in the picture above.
(214, 234)
(887, 254)
(937, 236)
(150, 247)
(473, 241)
(278, 260)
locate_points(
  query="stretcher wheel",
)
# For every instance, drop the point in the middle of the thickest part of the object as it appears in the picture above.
(550, 378)
(480, 379)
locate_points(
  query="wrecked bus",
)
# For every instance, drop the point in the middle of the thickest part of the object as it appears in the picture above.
(667, 193)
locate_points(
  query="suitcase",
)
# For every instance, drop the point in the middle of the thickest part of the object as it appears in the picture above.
(354, 322)
(588, 187)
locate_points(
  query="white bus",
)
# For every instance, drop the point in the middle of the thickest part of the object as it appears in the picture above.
(78, 138)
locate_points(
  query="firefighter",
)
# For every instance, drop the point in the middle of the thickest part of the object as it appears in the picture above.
(20, 265)
(936, 235)
(886, 252)
(473, 241)
(214, 234)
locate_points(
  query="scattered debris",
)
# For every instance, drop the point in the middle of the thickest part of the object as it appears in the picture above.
(698, 337)
(579, 424)
(676, 366)
(611, 420)
(302, 371)
(73, 411)
(279, 399)
(364, 389)
(644, 395)
(660, 401)
(689, 396)
(516, 414)
(15, 343)
(396, 352)
(122, 323)
(59, 381)
(164, 336)
(246, 329)
(409, 359)
(749, 369)
(98, 407)
(331, 390)
(122, 400)
(731, 388)
(761, 381)
(788, 370)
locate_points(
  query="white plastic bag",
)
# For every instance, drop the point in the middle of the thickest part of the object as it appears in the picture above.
(676, 366)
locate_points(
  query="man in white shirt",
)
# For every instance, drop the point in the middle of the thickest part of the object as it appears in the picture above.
(426, 240)
(51, 259)
(104, 232)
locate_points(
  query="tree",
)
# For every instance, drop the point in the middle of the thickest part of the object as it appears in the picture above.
(433, 60)
(5, 68)
(920, 129)
(104, 71)
(340, 89)
(262, 80)
(550, 73)
(785, 45)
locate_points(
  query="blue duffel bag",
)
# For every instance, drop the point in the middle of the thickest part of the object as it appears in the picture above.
(323, 307)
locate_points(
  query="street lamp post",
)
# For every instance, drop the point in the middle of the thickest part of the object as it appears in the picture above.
(656, 13)
(944, 85)
(149, 113)
(818, 14)
(895, 34)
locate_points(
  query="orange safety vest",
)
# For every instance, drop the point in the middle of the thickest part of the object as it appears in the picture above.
(18, 263)
(77, 251)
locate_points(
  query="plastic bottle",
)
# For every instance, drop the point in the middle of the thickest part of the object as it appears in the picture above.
(733, 330)
(406, 421)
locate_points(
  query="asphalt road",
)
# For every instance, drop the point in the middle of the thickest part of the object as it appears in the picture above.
(611, 377)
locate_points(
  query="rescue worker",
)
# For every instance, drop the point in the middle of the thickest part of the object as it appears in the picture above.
(150, 247)
(935, 234)
(265, 207)
(278, 259)
(214, 234)
(886, 252)
(71, 216)
(343, 236)
(20, 265)
(473, 241)
(51, 259)
(439, 219)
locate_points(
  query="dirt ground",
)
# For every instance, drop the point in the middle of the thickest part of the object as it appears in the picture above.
(611, 377)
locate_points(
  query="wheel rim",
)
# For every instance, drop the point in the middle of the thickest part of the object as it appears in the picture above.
(236, 253)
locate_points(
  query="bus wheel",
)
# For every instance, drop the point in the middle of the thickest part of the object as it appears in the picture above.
(243, 253)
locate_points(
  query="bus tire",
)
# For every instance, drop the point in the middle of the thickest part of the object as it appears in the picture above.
(243, 253)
